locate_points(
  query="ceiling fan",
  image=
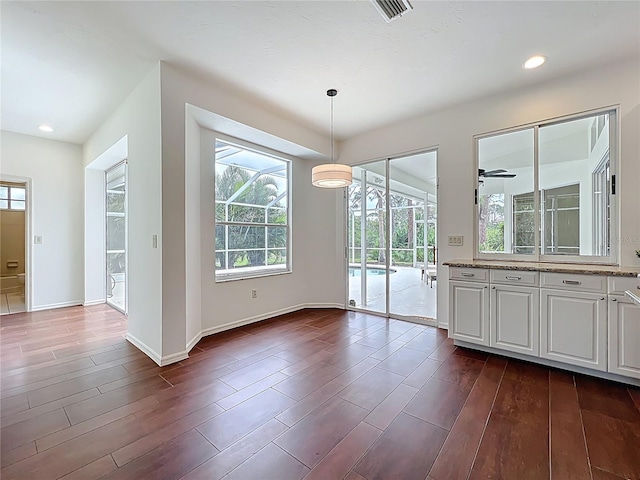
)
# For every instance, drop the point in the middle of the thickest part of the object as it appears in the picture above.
(499, 173)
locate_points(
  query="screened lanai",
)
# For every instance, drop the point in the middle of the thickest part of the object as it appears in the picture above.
(392, 237)
(252, 221)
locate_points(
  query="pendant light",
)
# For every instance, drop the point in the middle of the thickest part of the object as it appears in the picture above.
(331, 175)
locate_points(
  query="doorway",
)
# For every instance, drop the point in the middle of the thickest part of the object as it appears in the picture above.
(391, 244)
(116, 236)
(13, 247)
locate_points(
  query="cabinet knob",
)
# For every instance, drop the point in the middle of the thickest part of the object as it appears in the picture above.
(602, 298)
(614, 299)
(493, 288)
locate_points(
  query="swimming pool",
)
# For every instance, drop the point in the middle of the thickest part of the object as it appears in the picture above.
(356, 271)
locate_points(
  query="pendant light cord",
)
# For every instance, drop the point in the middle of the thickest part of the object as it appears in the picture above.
(332, 158)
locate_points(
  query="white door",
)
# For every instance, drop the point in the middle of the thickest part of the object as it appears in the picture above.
(515, 319)
(624, 337)
(573, 328)
(469, 312)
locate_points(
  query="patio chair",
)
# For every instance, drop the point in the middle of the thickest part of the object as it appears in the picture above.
(431, 274)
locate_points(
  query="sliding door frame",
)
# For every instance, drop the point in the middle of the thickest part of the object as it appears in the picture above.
(387, 246)
(126, 235)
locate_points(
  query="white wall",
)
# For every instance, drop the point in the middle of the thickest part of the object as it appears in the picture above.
(452, 131)
(138, 119)
(95, 269)
(193, 267)
(55, 170)
(317, 276)
(317, 271)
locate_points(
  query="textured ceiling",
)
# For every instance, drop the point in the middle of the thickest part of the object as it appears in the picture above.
(70, 64)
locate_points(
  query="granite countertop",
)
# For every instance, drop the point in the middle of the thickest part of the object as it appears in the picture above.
(610, 270)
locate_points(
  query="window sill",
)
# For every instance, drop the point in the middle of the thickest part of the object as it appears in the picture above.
(247, 275)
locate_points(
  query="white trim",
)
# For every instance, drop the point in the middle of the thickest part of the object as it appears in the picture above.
(288, 160)
(150, 352)
(93, 302)
(552, 120)
(192, 343)
(75, 303)
(264, 316)
(28, 221)
(614, 220)
(153, 355)
(179, 356)
(550, 363)
(174, 358)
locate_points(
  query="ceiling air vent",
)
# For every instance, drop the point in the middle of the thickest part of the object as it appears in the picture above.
(392, 9)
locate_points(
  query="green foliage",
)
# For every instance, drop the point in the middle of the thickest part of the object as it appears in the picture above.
(249, 241)
(402, 228)
(494, 240)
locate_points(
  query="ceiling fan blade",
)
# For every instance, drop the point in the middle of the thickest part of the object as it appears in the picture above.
(500, 175)
(493, 172)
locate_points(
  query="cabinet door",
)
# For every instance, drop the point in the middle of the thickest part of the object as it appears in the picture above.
(573, 328)
(515, 319)
(469, 312)
(624, 337)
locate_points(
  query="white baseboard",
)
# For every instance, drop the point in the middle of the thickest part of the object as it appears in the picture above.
(177, 357)
(89, 303)
(173, 358)
(37, 308)
(264, 316)
(193, 341)
(150, 352)
(153, 355)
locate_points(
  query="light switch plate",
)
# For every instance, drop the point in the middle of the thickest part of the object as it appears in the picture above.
(37, 239)
(455, 240)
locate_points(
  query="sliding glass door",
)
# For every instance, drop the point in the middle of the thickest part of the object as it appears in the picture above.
(116, 236)
(367, 232)
(392, 254)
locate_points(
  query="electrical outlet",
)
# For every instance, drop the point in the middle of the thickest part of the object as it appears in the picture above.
(154, 241)
(254, 293)
(455, 240)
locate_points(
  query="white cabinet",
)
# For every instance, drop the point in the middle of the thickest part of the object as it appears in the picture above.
(572, 318)
(573, 328)
(624, 337)
(515, 318)
(469, 312)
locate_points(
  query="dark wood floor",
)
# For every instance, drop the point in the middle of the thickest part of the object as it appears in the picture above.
(319, 394)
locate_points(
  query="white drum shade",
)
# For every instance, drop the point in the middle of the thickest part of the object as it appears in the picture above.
(331, 175)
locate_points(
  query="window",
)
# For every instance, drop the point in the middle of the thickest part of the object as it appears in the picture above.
(524, 233)
(12, 197)
(544, 191)
(252, 224)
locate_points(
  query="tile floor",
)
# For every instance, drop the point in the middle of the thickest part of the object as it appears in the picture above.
(319, 394)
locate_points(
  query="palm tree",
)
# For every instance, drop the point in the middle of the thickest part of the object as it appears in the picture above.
(260, 192)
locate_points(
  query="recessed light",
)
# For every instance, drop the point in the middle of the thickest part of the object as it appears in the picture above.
(45, 128)
(535, 61)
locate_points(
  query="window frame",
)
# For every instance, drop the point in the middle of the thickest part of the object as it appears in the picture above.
(260, 271)
(10, 200)
(614, 158)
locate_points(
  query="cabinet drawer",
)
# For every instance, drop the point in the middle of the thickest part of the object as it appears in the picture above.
(618, 285)
(579, 283)
(514, 277)
(469, 274)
